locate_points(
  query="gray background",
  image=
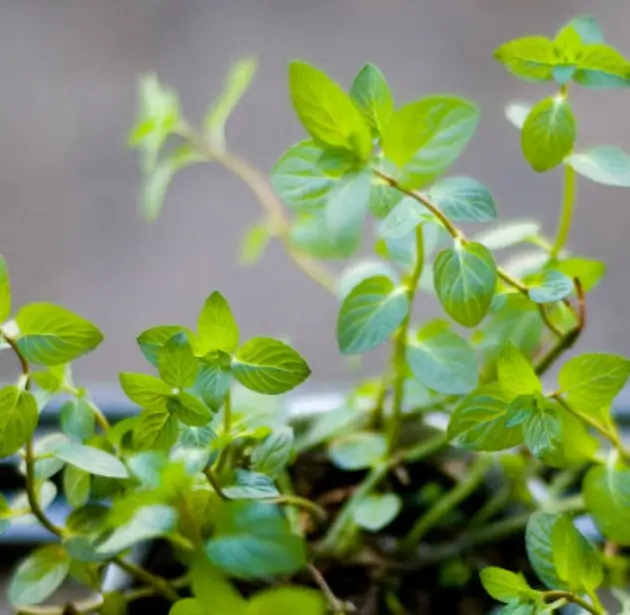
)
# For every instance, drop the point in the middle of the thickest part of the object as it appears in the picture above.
(69, 223)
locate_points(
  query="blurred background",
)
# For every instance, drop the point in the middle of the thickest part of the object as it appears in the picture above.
(69, 222)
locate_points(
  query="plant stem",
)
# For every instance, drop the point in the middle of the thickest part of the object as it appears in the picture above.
(216, 485)
(227, 413)
(335, 605)
(449, 501)
(400, 344)
(161, 586)
(556, 594)
(566, 212)
(295, 500)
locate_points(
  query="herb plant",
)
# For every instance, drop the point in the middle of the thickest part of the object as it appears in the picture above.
(368, 508)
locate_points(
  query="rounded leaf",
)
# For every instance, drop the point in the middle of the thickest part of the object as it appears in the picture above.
(376, 511)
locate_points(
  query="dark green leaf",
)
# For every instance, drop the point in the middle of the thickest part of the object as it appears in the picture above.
(358, 450)
(443, 361)
(465, 278)
(549, 133)
(604, 164)
(550, 286)
(76, 419)
(151, 340)
(146, 391)
(504, 585)
(253, 244)
(250, 486)
(50, 334)
(155, 429)
(606, 492)
(287, 601)
(326, 111)
(268, 366)
(521, 409)
(516, 374)
(540, 549)
(272, 455)
(376, 511)
(177, 363)
(92, 460)
(254, 540)
(530, 58)
(370, 315)
(213, 379)
(479, 421)
(5, 291)
(463, 199)
(600, 66)
(217, 327)
(371, 94)
(38, 576)
(76, 485)
(189, 410)
(18, 419)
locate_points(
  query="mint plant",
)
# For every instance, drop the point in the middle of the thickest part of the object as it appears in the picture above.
(463, 467)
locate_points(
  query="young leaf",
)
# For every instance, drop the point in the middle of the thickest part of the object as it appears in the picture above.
(217, 327)
(5, 291)
(213, 379)
(250, 486)
(465, 278)
(548, 134)
(177, 363)
(287, 601)
(516, 374)
(46, 465)
(530, 58)
(272, 455)
(376, 511)
(76, 419)
(504, 585)
(76, 486)
(429, 135)
(38, 576)
(479, 421)
(569, 45)
(604, 164)
(371, 94)
(443, 361)
(403, 219)
(268, 366)
(326, 111)
(540, 550)
(155, 429)
(543, 435)
(146, 391)
(18, 419)
(189, 410)
(606, 492)
(253, 540)
(370, 314)
(550, 286)
(347, 206)
(92, 460)
(588, 29)
(592, 381)
(463, 199)
(253, 244)
(600, 66)
(50, 335)
(147, 523)
(357, 451)
(151, 340)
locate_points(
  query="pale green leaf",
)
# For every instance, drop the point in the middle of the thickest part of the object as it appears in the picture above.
(151, 340)
(371, 94)
(146, 391)
(376, 511)
(463, 199)
(600, 66)
(516, 374)
(357, 272)
(530, 58)
(76, 419)
(177, 363)
(217, 326)
(604, 164)
(213, 379)
(517, 112)
(403, 219)
(76, 485)
(357, 451)
(347, 207)
(550, 286)
(92, 460)
(310, 233)
(508, 234)
(18, 419)
(250, 486)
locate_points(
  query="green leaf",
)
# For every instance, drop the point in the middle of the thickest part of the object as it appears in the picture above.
(76, 486)
(217, 327)
(463, 199)
(504, 585)
(509, 234)
(575, 559)
(151, 340)
(516, 374)
(287, 601)
(347, 207)
(114, 603)
(592, 381)
(46, 465)
(521, 409)
(188, 606)
(189, 410)
(5, 291)
(253, 244)
(310, 233)
(376, 511)
(76, 419)
(254, 540)
(516, 607)
(383, 197)
(540, 549)
(569, 46)
(250, 486)
(600, 66)
(177, 363)
(359, 271)
(479, 422)
(587, 28)
(38, 576)
(443, 361)
(549, 133)
(326, 111)
(530, 58)
(371, 94)
(272, 455)
(370, 314)
(146, 391)
(606, 492)
(589, 272)
(268, 366)
(211, 587)
(403, 219)
(213, 379)
(18, 419)
(604, 164)
(516, 113)
(236, 84)
(465, 278)
(543, 435)
(92, 460)
(578, 445)
(50, 335)
(359, 450)
(428, 135)
(148, 522)
(550, 286)
(155, 429)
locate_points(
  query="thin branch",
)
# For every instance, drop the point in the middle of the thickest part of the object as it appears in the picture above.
(161, 585)
(214, 482)
(556, 594)
(335, 604)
